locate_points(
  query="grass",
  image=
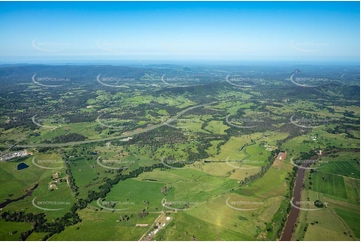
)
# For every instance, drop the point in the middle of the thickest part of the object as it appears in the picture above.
(216, 127)
(184, 226)
(131, 194)
(223, 169)
(317, 233)
(352, 219)
(190, 185)
(212, 150)
(7, 227)
(271, 184)
(34, 236)
(340, 219)
(102, 225)
(336, 186)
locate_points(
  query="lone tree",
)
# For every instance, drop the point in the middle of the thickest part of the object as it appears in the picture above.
(319, 204)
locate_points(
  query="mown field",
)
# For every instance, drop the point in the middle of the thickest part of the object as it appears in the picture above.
(335, 182)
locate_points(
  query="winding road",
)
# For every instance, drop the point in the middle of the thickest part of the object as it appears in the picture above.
(131, 133)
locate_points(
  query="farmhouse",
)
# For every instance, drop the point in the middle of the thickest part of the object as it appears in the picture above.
(281, 156)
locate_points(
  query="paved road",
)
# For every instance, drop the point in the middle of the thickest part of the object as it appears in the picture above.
(130, 133)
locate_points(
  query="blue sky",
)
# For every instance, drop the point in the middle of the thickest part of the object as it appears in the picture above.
(252, 31)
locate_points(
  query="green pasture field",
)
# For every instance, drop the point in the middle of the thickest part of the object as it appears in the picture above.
(335, 186)
(229, 211)
(216, 127)
(333, 183)
(177, 150)
(34, 236)
(17, 181)
(102, 225)
(84, 173)
(131, 194)
(344, 168)
(273, 183)
(232, 147)
(7, 227)
(184, 226)
(222, 169)
(352, 219)
(212, 150)
(343, 164)
(13, 135)
(190, 185)
(325, 219)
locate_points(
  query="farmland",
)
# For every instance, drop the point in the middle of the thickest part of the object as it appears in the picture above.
(106, 164)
